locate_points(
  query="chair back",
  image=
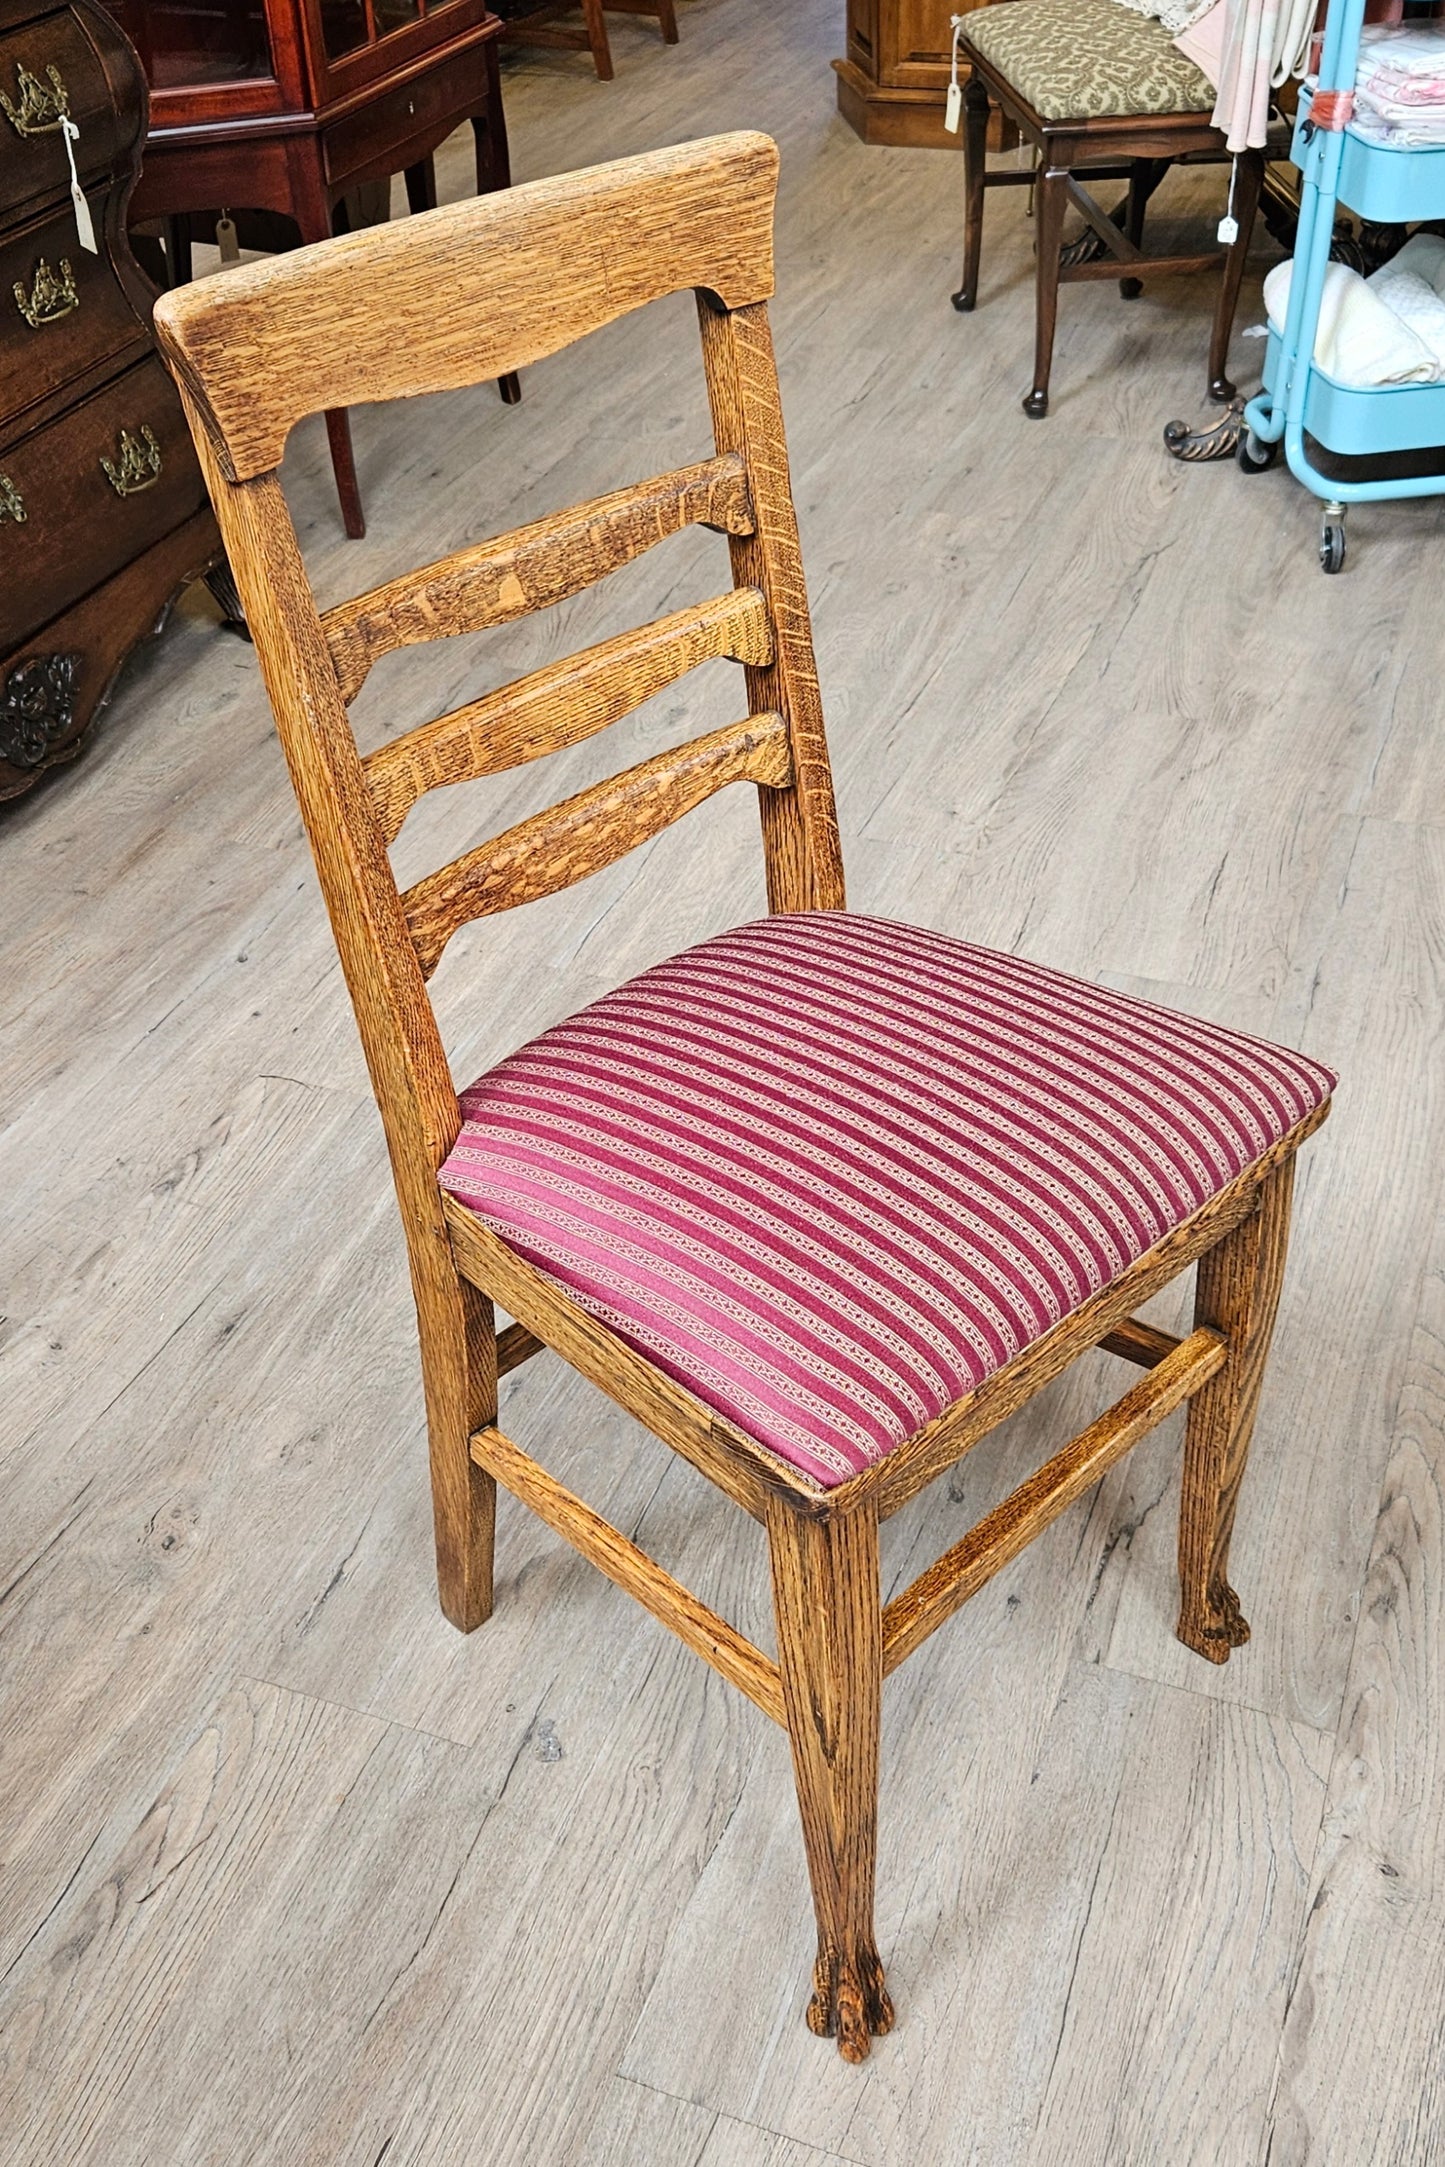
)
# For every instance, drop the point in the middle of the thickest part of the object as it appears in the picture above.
(459, 296)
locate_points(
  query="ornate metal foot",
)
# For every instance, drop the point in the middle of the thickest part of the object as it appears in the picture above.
(1220, 1631)
(850, 2003)
(1221, 441)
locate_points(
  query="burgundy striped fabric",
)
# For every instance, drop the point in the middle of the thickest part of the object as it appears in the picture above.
(830, 1172)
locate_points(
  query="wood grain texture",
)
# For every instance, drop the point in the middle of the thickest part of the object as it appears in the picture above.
(800, 829)
(1237, 1296)
(534, 567)
(1375, 995)
(1360, 2059)
(399, 1033)
(638, 2127)
(475, 290)
(959, 1574)
(586, 832)
(564, 703)
(1136, 1341)
(830, 1654)
(701, 1629)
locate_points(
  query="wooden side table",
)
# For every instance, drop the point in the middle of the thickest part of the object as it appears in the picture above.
(894, 79)
(286, 106)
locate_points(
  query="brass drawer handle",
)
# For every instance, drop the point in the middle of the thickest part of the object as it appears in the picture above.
(40, 111)
(12, 504)
(139, 464)
(52, 294)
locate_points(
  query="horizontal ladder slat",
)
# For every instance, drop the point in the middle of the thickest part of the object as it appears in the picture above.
(534, 566)
(554, 849)
(999, 1537)
(1139, 1342)
(675, 1606)
(515, 1346)
(568, 701)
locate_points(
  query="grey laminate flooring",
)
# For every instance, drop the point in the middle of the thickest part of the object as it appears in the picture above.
(292, 1873)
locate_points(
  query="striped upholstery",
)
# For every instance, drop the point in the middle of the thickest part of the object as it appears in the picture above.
(830, 1172)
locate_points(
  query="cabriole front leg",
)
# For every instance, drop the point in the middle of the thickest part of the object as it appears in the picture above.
(830, 1653)
(1237, 1294)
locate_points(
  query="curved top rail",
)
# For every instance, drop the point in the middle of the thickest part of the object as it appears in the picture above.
(469, 292)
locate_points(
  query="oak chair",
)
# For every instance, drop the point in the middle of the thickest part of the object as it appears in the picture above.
(820, 1201)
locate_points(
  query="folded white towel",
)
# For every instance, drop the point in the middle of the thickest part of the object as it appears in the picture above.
(1424, 254)
(1414, 300)
(1360, 341)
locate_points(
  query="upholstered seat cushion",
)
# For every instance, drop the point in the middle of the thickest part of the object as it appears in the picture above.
(829, 1172)
(1087, 59)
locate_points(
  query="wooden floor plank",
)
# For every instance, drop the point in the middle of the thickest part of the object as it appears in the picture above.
(1365, 2029)
(1363, 1222)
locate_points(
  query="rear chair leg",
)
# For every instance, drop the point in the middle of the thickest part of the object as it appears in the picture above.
(459, 1373)
(975, 181)
(1237, 1294)
(1050, 197)
(1248, 186)
(830, 1652)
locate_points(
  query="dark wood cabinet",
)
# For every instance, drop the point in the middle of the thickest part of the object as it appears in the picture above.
(287, 107)
(893, 79)
(103, 515)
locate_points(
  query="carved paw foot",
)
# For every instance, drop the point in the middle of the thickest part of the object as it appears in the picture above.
(850, 2003)
(1219, 1629)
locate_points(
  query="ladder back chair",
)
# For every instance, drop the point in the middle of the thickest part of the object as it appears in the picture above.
(820, 1201)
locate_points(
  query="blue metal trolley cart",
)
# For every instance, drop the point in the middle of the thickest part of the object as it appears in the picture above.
(1383, 186)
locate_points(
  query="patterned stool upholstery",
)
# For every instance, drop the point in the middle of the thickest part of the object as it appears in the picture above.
(829, 1172)
(1087, 59)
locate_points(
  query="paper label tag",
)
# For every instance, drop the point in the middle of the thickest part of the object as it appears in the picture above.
(85, 230)
(953, 109)
(1228, 231)
(226, 238)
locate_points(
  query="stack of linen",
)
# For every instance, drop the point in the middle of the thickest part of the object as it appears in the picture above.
(1400, 85)
(1386, 329)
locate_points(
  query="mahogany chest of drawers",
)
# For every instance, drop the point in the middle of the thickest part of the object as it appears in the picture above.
(103, 515)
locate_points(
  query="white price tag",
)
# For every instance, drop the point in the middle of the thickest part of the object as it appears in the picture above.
(85, 229)
(953, 104)
(1228, 231)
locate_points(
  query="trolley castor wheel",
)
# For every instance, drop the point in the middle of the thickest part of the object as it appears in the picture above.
(1254, 455)
(962, 301)
(1332, 540)
(1036, 405)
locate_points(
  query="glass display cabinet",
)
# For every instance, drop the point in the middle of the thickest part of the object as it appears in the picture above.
(285, 107)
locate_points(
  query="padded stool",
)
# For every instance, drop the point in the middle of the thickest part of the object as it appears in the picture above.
(1102, 94)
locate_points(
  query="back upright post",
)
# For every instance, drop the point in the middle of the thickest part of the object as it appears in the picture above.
(800, 823)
